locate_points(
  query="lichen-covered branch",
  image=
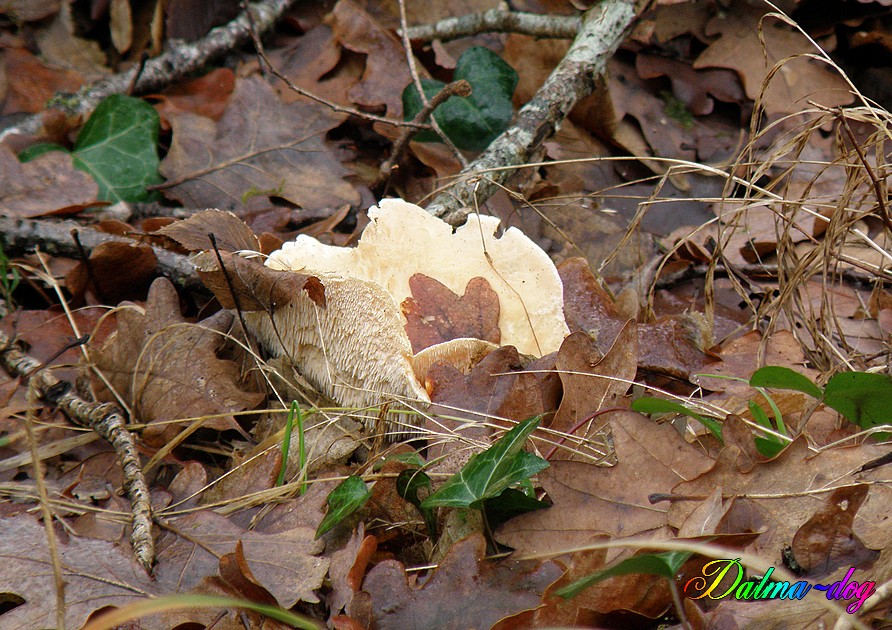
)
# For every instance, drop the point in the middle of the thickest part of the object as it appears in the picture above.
(181, 59)
(21, 236)
(603, 29)
(497, 20)
(104, 419)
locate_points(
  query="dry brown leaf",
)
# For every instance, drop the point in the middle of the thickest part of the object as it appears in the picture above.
(826, 541)
(98, 573)
(738, 48)
(260, 147)
(386, 72)
(695, 89)
(206, 96)
(231, 234)
(285, 563)
(590, 499)
(167, 368)
(48, 184)
(435, 314)
(485, 590)
(593, 383)
(314, 62)
(42, 82)
(114, 271)
(782, 494)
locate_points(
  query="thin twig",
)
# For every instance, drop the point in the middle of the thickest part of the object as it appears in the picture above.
(341, 109)
(105, 420)
(497, 20)
(181, 59)
(416, 80)
(603, 29)
(43, 497)
(877, 184)
(456, 88)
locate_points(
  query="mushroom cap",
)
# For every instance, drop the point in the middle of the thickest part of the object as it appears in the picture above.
(403, 239)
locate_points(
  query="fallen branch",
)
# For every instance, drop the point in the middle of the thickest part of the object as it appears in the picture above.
(497, 20)
(21, 236)
(603, 29)
(107, 421)
(174, 64)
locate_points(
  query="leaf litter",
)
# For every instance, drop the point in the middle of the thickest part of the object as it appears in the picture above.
(794, 254)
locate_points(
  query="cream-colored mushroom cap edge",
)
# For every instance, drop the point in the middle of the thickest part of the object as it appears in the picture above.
(355, 348)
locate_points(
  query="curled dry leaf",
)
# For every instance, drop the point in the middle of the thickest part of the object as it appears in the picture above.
(487, 590)
(167, 368)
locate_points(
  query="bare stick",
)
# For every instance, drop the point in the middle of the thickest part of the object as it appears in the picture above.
(456, 88)
(107, 421)
(20, 236)
(497, 20)
(603, 29)
(181, 59)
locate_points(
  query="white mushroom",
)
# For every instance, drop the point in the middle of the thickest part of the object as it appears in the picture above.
(355, 348)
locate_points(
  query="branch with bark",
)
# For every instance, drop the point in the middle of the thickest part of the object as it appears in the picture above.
(181, 59)
(603, 29)
(497, 20)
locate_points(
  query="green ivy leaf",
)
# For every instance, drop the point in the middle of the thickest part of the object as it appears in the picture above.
(647, 404)
(862, 397)
(408, 483)
(350, 495)
(778, 377)
(665, 564)
(474, 121)
(510, 503)
(118, 147)
(489, 473)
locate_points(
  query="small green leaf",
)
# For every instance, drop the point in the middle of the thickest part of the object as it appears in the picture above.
(768, 447)
(778, 377)
(512, 502)
(408, 483)
(474, 121)
(665, 564)
(36, 150)
(118, 147)
(863, 398)
(488, 473)
(350, 495)
(647, 404)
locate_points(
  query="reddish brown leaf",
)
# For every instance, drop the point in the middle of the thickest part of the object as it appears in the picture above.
(206, 96)
(695, 89)
(435, 314)
(496, 386)
(167, 368)
(260, 147)
(114, 271)
(31, 94)
(257, 287)
(593, 382)
(386, 73)
(485, 590)
(827, 541)
(48, 184)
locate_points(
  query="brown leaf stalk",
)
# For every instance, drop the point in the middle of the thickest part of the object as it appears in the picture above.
(456, 88)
